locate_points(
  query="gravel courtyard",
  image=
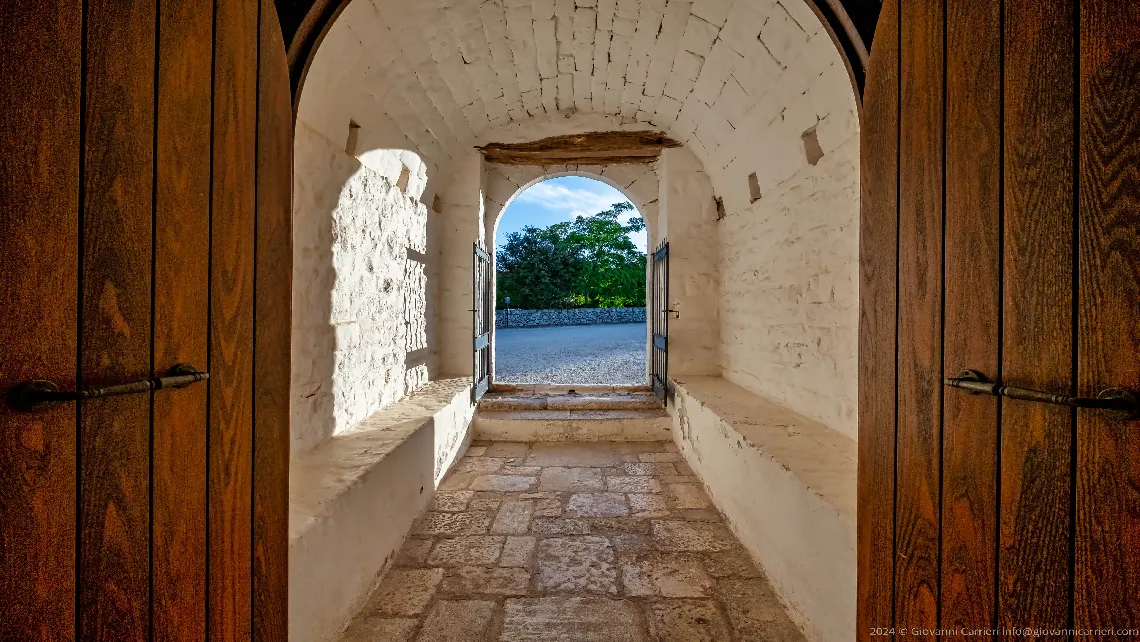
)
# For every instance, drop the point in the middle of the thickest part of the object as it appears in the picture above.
(580, 354)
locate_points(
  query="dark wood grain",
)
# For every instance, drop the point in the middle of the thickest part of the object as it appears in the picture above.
(973, 310)
(878, 273)
(181, 298)
(1033, 563)
(274, 286)
(40, 66)
(231, 320)
(1107, 572)
(920, 316)
(114, 537)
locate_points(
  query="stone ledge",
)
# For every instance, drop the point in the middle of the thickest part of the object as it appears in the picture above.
(354, 498)
(787, 486)
(823, 459)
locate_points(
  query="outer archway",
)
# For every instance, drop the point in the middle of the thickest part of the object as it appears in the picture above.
(760, 202)
(637, 182)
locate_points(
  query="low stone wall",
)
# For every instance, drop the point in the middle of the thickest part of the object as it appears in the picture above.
(787, 486)
(353, 499)
(578, 316)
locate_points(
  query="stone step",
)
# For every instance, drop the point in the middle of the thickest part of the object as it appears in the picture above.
(569, 399)
(644, 424)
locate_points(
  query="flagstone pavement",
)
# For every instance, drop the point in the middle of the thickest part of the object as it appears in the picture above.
(590, 542)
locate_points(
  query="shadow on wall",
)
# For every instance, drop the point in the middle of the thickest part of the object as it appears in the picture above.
(362, 288)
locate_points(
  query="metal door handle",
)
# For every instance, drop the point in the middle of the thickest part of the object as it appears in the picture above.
(1117, 402)
(31, 395)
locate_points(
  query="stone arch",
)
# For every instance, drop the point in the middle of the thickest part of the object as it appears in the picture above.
(637, 182)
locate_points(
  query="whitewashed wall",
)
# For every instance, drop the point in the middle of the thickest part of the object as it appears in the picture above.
(363, 288)
(789, 260)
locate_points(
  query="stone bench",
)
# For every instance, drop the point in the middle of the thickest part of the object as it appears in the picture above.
(353, 499)
(787, 486)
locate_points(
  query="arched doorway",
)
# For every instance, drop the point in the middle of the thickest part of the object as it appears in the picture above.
(591, 306)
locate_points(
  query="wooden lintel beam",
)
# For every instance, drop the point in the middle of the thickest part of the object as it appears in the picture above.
(592, 148)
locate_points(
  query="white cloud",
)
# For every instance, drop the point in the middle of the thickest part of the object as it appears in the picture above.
(570, 200)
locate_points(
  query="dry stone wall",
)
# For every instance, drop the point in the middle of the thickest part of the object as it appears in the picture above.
(579, 316)
(363, 289)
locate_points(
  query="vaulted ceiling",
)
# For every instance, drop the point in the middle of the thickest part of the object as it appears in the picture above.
(305, 22)
(434, 75)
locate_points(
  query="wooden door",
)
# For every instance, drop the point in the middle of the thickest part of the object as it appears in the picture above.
(1000, 233)
(144, 184)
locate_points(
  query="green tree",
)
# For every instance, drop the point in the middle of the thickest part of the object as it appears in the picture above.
(538, 268)
(589, 262)
(613, 275)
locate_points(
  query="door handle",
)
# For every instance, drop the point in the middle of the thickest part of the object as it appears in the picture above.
(1117, 402)
(34, 394)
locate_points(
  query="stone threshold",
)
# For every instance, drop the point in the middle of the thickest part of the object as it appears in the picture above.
(570, 399)
(555, 389)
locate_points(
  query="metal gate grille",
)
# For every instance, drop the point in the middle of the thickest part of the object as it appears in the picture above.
(659, 321)
(481, 312)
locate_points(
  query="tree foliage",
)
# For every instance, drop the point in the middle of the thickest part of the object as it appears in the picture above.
(589, 262)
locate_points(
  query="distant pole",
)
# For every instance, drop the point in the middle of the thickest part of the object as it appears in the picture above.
(508, 324)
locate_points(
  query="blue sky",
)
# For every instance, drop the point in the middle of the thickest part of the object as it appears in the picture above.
(557, 200)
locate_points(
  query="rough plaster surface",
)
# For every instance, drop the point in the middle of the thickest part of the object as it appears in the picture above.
(353, 499)
(363, 299)
(688, 221)
(787, 487)
(790, 297)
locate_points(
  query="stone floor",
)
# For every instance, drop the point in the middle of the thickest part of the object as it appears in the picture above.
(591, 542)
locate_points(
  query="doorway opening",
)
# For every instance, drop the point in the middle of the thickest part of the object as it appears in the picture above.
(570, 286)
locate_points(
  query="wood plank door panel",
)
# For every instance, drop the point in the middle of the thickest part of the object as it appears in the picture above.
(115, 321)
(273, 290)
(145, 169)
(181, 315)
(1037, 349)
(878, 328)
(972, 314)
(1006, 242)
(40, 94)
(1107, 564)
(917, 508)
(231, 320)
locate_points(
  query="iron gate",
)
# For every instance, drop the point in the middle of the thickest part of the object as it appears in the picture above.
(659, 321)
(481, 312)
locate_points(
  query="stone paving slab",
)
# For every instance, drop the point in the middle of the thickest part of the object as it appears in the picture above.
(590, 542)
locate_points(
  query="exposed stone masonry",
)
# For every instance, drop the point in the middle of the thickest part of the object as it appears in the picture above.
(592, 542)
(576, 316)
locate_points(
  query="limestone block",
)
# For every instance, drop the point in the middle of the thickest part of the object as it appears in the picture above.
(715, 12)
(549, 92)
(721, 61)
(782, 36)
(565, 90)
(543, 9)
(699, 36)
(546, 47)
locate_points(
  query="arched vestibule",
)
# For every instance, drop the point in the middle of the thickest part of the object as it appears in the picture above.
(759, 203)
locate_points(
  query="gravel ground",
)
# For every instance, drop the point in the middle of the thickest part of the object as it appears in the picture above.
(581, 354)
